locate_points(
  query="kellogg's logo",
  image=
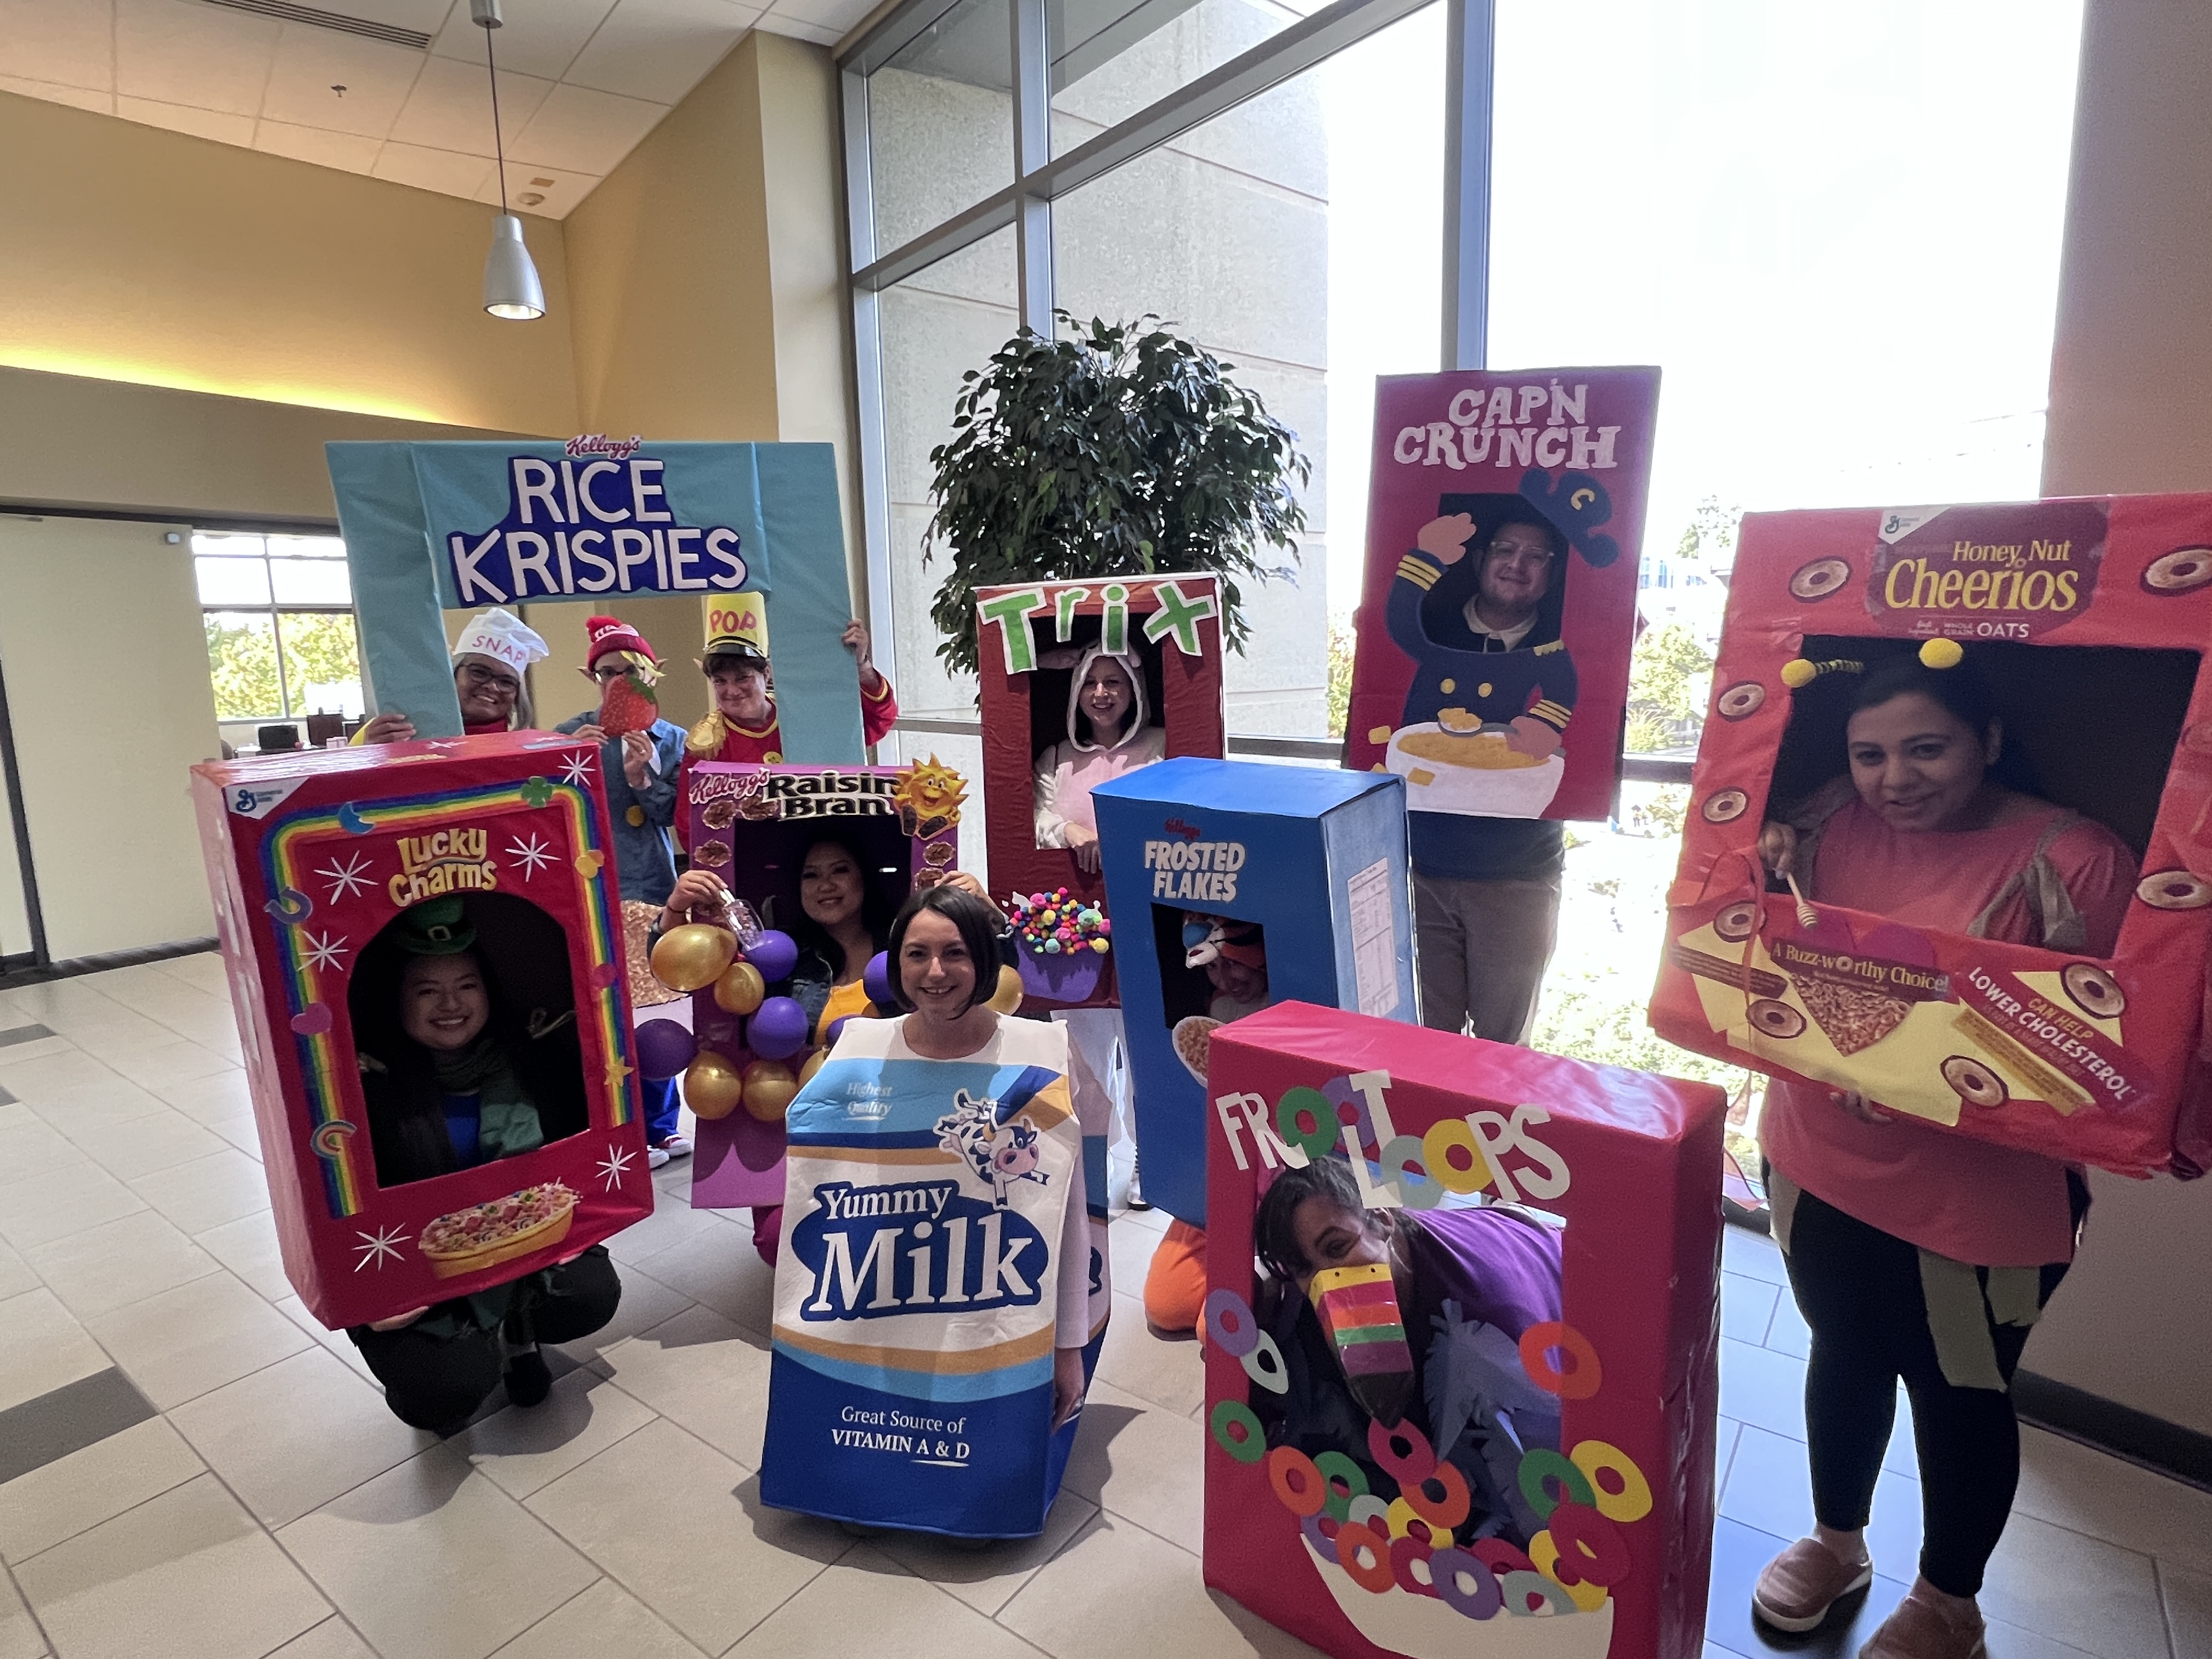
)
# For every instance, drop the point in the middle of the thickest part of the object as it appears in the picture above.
(2005, 572)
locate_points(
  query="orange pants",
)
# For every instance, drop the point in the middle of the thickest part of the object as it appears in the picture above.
(1174, 1284)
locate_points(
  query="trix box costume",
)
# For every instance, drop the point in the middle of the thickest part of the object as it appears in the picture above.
(2088, 618)
(1316, 858)
(1384, 1552)
(751, 825)
(312, 855)
(1433, 700)
(1171, 626)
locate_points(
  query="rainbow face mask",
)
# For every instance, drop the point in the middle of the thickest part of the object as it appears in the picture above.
(1357, 1308)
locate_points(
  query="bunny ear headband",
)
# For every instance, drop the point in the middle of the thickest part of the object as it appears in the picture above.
(1799, 671)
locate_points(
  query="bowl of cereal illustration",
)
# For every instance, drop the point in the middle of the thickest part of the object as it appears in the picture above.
(1456, 763)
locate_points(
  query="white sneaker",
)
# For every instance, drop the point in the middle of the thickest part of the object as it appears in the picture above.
(675, 1146)
(655, 1156)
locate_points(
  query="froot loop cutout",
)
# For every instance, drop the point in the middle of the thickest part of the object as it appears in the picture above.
(1585, 1497)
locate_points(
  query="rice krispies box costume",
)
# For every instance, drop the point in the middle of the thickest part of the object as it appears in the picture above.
(1388, 1551)
(751, 825)
(2088, 618)
(1315, 857)
(1170, 627)
(312, 855)
(1432, 701)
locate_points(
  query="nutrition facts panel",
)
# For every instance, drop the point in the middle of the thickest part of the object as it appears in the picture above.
(1374, 950)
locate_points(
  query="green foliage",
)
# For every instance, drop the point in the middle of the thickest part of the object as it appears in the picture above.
(1664, 674)
(1643, 734)
(1590, 1021)
(1122, 450)
(1712, 531)
(318, 650)
(1343, 640)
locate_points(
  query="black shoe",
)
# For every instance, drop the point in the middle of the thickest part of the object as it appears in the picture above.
(528, 1381)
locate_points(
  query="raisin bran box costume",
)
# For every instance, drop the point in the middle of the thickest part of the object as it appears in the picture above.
(1320, 1546)
(1569, 448)
(751, 825)
(1174, 622)
(2088, 618)
(936, 1250)
(311, 854)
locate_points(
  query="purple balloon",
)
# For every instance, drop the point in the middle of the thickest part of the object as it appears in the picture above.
(877, 979)
(775, 954)
(664, 1048)
(830, 1036)
(777, 1030)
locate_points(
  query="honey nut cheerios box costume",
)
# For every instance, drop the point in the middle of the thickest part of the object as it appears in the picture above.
(314, 857)
(2088, 618)
(1581, 1527)
(1166, 631)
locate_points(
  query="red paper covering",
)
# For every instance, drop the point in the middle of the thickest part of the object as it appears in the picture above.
(1576, 447)
(304, 854)
(1633, 1162)
(2095, 1064)
(1190, 708)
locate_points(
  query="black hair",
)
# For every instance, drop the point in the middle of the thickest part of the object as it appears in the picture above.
(877, 911)
(1274, 1228)
(400, 1087)
(714, 664)
(980, 924)
(1960, 690)
(1444, 608)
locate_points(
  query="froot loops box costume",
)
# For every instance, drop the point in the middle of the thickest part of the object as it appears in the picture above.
(2087, 618)
(312, 856)
(752, 825)
(1389, 1547)
(1165, 631)
(936, 1250)
(1520, 724)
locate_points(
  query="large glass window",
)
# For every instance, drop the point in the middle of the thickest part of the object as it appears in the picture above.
(278, 613)
(941, 122)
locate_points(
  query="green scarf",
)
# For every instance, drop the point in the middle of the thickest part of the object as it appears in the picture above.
(507, 1120)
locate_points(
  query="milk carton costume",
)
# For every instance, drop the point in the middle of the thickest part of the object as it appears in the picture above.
(937, 1249)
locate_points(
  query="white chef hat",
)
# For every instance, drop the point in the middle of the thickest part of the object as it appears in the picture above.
(501, 635)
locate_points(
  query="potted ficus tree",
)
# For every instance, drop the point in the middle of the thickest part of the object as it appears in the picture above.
(1117, 449)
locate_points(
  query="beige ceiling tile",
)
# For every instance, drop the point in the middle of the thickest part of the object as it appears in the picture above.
(68, 42)
(450, 107)
(524, 181)
(839, 14)
(446, 171)
(423, 16)
(347, 151)
(584, 131)
(659, 49)
(177, 52)
(53, 93)
(820, 33)
(218, 125)
(541, 37)
(311, 62)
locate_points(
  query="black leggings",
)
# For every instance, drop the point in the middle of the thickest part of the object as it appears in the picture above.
(434, 1382)
(1860, 1290)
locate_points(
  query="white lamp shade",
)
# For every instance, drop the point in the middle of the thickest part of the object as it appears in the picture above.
(511, 288)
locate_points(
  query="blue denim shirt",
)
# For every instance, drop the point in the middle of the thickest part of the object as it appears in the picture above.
(645, 868)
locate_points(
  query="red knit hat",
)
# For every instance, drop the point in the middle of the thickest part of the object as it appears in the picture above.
(606, 633)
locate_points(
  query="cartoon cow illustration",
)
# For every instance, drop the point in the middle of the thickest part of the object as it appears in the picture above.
(1000, 1149)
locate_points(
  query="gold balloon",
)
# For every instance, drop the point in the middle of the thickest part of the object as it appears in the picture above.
(692, 956)
(1007, 999)
(712, 1087)
(769, 1087)
(740, 988)
(815, 1062)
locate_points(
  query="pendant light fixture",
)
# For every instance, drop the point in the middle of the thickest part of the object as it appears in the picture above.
(511, 289)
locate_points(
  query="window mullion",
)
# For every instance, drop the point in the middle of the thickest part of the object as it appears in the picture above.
(1470, 48)
(1032, 80)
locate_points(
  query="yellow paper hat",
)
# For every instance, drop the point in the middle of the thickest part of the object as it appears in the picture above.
(736, 625)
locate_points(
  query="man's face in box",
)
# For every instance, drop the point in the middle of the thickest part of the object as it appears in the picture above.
(1516, 570)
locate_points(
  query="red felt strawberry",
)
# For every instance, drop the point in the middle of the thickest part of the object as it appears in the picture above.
(629, 704)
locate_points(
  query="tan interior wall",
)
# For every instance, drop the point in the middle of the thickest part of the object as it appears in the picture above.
(135, 253)
(2133, 350)
(104, 756)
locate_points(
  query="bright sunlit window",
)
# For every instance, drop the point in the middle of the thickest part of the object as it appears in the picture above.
(278, 612)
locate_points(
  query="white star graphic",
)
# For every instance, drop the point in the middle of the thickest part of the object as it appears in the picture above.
(375, 1246)
(345, 877)
(324, 952)
(578, 771)
(531, 854)
(614, 1166)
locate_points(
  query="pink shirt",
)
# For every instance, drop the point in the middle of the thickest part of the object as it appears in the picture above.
(1948, 1193)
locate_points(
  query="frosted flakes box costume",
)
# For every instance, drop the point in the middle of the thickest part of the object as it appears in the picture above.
(938, 1244)
(2088, 619)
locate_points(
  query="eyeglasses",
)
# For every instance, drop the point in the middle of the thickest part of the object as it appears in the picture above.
(607, 674)
(1539, 557)
(485, 679)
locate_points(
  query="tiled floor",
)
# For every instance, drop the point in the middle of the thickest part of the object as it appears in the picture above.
(238, 1488)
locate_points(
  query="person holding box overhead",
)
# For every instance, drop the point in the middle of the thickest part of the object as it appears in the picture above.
(494, 651)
